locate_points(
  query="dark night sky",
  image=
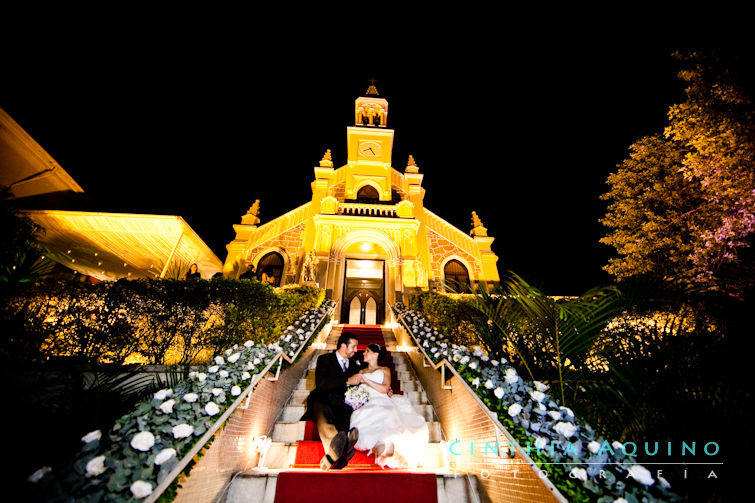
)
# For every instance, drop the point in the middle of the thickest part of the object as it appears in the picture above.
(202, 129)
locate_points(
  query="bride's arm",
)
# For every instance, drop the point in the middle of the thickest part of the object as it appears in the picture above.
(382, 388)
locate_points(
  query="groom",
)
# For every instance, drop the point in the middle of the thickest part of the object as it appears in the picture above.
(326, 406)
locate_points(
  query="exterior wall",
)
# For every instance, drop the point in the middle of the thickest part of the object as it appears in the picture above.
(441, 249)
(290, 242)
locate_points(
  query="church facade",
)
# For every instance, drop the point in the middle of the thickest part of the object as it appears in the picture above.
(365, 236)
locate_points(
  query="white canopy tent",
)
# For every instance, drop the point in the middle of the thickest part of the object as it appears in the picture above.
(110, 246)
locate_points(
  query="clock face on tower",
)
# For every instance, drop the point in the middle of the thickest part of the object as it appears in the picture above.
(369, 149)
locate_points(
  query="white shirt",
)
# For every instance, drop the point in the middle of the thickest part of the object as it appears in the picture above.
(344, 362)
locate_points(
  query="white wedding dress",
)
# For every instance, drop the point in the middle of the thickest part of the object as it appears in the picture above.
(391, 420)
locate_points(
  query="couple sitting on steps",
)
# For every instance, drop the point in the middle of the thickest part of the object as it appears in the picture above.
(386, 425)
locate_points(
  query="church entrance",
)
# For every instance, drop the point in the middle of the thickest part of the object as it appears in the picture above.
(364, 292)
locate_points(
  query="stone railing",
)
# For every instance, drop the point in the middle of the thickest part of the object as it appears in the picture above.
(368, 210)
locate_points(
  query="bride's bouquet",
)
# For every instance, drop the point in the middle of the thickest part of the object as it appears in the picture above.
(356, 396)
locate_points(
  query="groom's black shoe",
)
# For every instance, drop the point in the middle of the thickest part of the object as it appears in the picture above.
(338, 447)
(349, 451)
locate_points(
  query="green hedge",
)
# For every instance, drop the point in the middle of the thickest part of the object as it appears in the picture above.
(451, 314)
(142, 321)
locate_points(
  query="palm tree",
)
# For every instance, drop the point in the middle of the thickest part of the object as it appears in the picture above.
(556, 335)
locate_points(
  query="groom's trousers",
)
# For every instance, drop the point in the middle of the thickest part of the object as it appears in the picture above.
(325, 429)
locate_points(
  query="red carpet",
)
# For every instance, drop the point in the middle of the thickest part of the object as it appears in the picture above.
(362, 487)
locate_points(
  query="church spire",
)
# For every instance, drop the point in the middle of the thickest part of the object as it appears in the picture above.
(372, 90)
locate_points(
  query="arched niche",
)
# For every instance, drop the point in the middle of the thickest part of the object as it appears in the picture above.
(456, 276)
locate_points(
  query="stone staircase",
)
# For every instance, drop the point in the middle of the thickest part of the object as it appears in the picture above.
(259, 485)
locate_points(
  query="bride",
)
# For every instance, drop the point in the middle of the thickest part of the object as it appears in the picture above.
(388, 425)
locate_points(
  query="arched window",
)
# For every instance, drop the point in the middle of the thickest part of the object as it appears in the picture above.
(457, 276)
(368, 194)
(270, 268)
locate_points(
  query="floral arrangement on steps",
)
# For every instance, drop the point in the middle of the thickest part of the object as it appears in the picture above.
(143, 447)
(551, 431)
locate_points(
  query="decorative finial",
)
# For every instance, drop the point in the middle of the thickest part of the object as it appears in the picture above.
(252, 216)
(372, 90)
(477, 228)
(327, 160)
(255, 208)
(411, 166)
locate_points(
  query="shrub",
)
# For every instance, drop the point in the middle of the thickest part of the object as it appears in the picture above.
(142, 321)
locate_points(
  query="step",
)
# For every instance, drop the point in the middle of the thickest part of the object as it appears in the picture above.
(292, 413)
(260, 488)
(457, 489)
(290, 432)
(280, 456)
(293, 432)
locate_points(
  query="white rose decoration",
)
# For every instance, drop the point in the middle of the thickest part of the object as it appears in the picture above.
(143, 441)
(556, 415)
(476, 382)
(141, 489)
(515, 409)
(489, 384)
(464, 360)
(248, 344)
(163, 394)
(641, 475)
(213, 369)
(537, 395)
(167, 407)
(191, 397)
(217, 391)
(494, 362)
(617, 446)
(234, 357)
(164, 456)
(593, 447)
(511, 376)
(182, 430)
(473, 365)
(201, 376)
(566, 429)
(245, 375)
(498, 392)
(540, 386)
(211, 408)
(219, 360)
(235, 391)
(578, 473)
(91, 436)
(223, 374)
(96, 466)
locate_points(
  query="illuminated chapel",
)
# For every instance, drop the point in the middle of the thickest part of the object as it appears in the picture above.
(366, 236)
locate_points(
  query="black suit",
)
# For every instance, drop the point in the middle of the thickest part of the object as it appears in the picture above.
(330, 386)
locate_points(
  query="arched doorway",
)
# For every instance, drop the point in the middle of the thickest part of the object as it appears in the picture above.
(270, 268)
(364, 292)
(363, 308)
(456, 277)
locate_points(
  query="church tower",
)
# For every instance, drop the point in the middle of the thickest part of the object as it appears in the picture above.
(365, 236)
